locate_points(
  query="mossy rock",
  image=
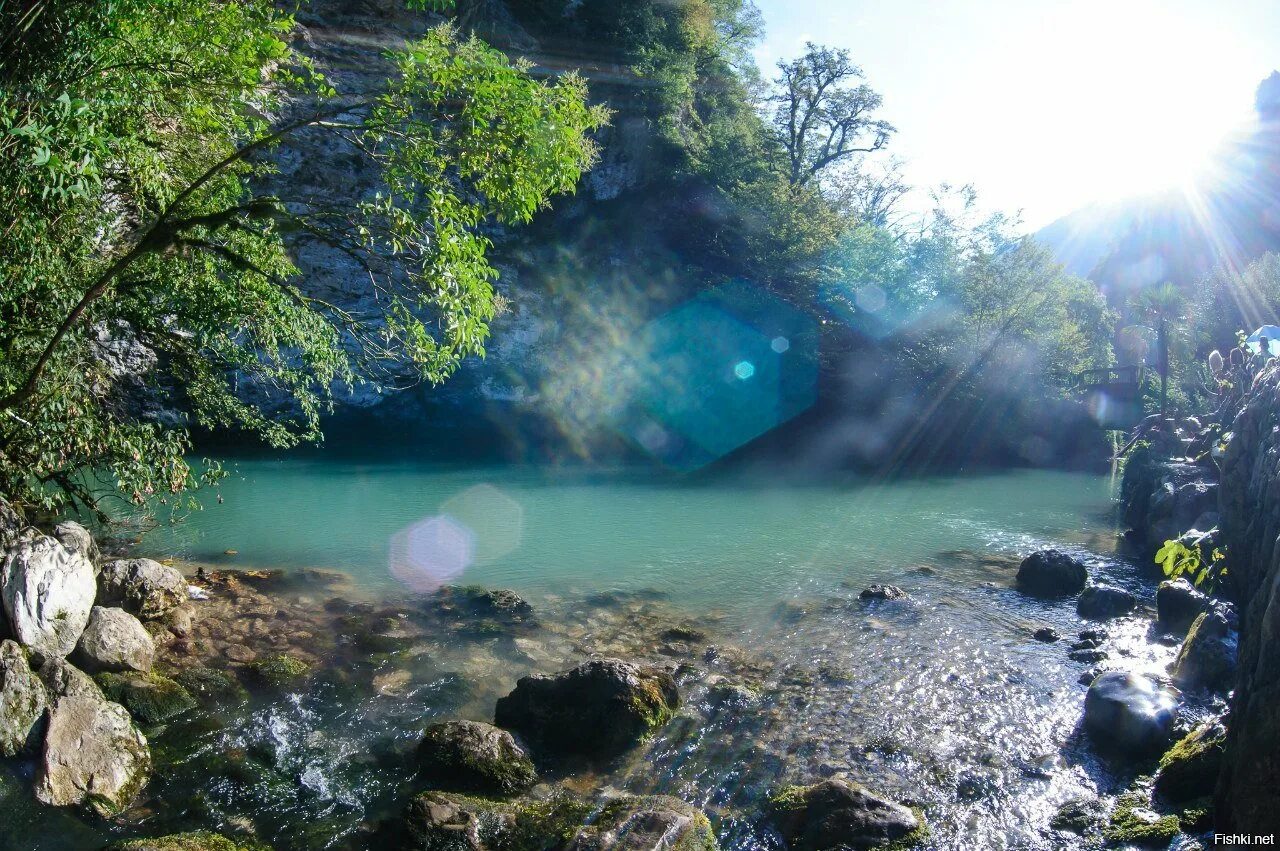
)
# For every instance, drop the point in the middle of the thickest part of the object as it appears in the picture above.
(1196, 816)
(1081, 815)
(442, 821)
(212, 686)
(200, 840)
(1190, 768)
(598, 709)
(838, 813)
(468, 756)
(278, 672)
(373, 641)
(649, 821)
(150, 698)
(1134, 823)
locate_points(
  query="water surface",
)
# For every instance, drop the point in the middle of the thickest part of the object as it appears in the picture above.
(734, 543)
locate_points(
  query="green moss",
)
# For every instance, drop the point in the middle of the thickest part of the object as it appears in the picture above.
(1078, 816)
(1131, 825)
(697, 836)
(915, 837)
(445, 758)
(1197, 815)
(788, 799)
(200, 840)
(651, 704)
(150, 698)
(1190, 768)
(209, 685)
(279, 672)
(549, 823)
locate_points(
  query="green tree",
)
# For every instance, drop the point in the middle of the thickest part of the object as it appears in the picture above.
(133, 143)
(823, 116)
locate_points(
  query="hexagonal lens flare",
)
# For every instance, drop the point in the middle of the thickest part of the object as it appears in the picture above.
(430, 553)
(717, 372)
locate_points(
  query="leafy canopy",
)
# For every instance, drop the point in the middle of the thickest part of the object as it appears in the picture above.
(133, 153)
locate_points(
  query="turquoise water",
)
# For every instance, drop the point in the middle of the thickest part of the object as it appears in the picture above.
(942, 700)
(731, 543)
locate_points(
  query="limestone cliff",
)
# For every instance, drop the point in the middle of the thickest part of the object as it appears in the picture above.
(1249, 787)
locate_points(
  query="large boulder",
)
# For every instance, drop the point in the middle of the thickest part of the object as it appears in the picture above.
(1207, 658)
(468, 756)
(1190, 768)
(115, 640)
(1102, 603)
(839, 814)
(93, 754)
(1131, 712)
(1178, 604)
(1052, 573)
(48, 593)
(22, 699)
(77, 539)
(646, 823)
(143, 587)
(598, 709)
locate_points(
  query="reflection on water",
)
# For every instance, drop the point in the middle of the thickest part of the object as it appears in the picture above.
(750, 594)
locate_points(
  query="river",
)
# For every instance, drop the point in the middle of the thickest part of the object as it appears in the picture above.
(942, 700)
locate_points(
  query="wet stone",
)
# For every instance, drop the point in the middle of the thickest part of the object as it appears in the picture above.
(1102, 602)
(883, 592)
(838, 814)
(468, 756)
(1052, 573)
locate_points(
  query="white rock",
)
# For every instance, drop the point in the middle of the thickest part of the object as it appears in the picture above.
(47, 593)
(93, 755)
(143, 587)
(115, 640)
(77, 539)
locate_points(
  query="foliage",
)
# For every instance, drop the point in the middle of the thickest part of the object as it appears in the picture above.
(1176, 559)
(131, 166)
(823, 115)
(1232, 300)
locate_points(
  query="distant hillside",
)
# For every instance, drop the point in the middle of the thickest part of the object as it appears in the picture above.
(1231, 214)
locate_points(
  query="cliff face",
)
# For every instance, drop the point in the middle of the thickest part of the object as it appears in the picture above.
(1249, 787)
(557, 306)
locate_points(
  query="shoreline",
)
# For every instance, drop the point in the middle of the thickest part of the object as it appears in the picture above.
(284, 646)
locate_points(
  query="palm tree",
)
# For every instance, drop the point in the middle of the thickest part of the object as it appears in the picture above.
(1162, 305)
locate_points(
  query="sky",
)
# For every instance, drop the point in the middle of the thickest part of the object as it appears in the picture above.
(1046, 105)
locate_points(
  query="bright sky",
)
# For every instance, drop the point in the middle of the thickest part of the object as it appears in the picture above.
(1047, 105)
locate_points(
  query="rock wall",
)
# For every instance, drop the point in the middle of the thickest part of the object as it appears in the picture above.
(1249, 786)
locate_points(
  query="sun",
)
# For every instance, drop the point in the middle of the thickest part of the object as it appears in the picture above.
(1124, 98)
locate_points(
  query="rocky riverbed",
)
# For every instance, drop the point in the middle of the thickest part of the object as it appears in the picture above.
(292, 710)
